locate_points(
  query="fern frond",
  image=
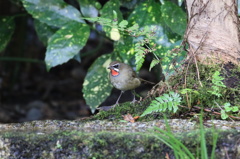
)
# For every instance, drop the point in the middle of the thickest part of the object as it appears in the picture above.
(163, 103)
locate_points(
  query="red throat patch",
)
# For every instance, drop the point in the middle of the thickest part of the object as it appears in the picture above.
(114, 73)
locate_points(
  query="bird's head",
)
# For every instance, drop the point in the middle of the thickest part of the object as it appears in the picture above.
(114, 68)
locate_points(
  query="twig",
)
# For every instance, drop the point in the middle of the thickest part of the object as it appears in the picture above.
(210, 111)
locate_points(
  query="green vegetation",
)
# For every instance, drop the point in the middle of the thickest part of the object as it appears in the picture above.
(146, 29)
(180, 150)
(165, 102)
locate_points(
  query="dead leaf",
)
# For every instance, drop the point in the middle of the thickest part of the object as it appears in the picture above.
(136, 117)
(129, 118)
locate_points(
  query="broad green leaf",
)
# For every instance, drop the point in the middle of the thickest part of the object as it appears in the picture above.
(66, 43)
(174, 17)
(96, 86)
(125, 48)
(89, 8)
(107, 12)
(44, 31)
(54, 12)
(7, 27)
(146, 13)
(170, 61)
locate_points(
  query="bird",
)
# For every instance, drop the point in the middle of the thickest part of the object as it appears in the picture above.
(123, 77)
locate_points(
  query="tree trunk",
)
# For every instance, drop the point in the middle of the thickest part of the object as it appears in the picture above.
(213, 33)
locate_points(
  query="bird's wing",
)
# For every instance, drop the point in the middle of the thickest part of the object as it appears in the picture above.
(134, 74)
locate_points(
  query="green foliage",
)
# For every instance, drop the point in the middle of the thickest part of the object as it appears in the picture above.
(95, 87)
(204, 154)
(89, 8)
(44, 31)
(111, 11)
(217, 84)
(171, 61)
(174, 17)
(60, 26)
(154, 63)
(6, 30)
(228, 109)
(66, 43)
(202, 96)
(163, 103)
(148, 27)
(179, 149)
(189, 92)
(54, 13)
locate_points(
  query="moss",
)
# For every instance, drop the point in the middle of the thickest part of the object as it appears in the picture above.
(118, 111)
(75, 144)
(204, 98)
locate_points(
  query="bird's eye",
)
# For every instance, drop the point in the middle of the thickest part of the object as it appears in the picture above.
(115, 66)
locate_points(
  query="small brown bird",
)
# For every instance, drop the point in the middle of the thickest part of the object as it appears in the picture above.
(123, 77)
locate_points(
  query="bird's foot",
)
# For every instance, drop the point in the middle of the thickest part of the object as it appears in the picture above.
(134, 101)
(106, 108)
(115, 105)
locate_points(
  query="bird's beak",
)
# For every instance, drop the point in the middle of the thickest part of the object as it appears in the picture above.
(109, 67)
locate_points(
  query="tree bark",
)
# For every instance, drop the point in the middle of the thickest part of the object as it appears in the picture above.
(213, 31)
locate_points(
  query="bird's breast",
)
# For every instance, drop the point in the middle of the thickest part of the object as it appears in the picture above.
(123, 82)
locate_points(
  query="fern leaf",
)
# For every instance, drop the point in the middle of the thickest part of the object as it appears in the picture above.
(163, 103)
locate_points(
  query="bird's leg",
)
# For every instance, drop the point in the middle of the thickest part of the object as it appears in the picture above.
(134, 99)
(118, 98)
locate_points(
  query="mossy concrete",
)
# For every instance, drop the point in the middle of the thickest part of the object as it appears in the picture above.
(110, 139)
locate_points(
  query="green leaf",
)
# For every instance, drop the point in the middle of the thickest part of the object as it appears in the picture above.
(96, 86)
(114, 34)
(153, 63)
(123, 24)
(107, 12)
(217, 79)
(235, 109)
(148, 16)
(186, 90)
(139, 57)
(146, 13)
(174, 17)
(55, 12)
(66, 43)
(88, 8)
(6, 30)
(165, 102)
(125, 48)
(44, 31)
(170, 61)
(223, 114)
(133, 28)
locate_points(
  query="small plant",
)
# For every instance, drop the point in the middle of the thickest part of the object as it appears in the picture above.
(217, 84)
(58, 145)
(179, 149)
(228, 109)
(163, 103)
(188, 92)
